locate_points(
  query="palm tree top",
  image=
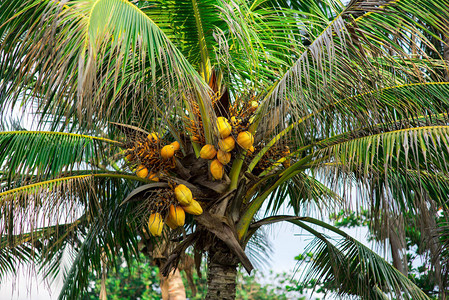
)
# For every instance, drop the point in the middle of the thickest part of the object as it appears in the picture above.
(244, 103)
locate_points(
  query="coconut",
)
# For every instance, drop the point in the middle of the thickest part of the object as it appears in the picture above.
(155, 224)
(183, 194)
(153, 137)
(170, 223)
(194, 208)
(223, 157)
(176, 145)
(245, 139)
(224, 128)
(227, 144)
(176, 215)
(208, 152)
(216, 169)
(167, 152)
(142, 171)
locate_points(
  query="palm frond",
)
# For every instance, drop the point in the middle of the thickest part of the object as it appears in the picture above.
(259, 249)
(56, 201)
(305, 194)
(261, 43)
(108, 235)
(351, 268)
(36, 155)
(189, 24)
(388, 108)
(101, 47)
(43, 248)
(11, 257)
(413, 148)
(346, 60)
(68, 215)
(43, 204)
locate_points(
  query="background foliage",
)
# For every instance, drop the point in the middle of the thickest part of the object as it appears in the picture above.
(140, 280)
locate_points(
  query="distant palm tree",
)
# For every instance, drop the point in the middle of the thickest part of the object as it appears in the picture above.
(309, 102)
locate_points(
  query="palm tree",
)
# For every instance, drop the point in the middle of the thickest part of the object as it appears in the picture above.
(309, 103)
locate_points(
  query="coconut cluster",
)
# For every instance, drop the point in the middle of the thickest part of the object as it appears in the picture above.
(148, 156)
(174, 215)
(222, 155)
(152, 158)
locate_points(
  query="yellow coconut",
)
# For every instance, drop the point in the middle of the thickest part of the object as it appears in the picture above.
(167, 152)
(227, 144)
(208, 152)
(223, 157)
(153, 137)
(216, 169)
(155, 224)
(251, 149)
(224, 128)
(194, 208)
(183, 194)
(176, 145)
(142, 171)
(170, 223)
(176, 215)
(245, 139)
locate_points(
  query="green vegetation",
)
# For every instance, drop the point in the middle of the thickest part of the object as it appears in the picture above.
(418, 257)
(141, 281)
(309, 103)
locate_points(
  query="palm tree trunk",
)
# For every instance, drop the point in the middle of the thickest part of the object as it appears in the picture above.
(221, 273)
(172, 287)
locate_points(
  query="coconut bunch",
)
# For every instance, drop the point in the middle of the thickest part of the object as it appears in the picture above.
(148, 155)
(228, 138)
(232, 134)
(169, 206)
(152, 158)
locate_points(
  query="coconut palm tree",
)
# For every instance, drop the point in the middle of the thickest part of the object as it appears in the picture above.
(311, 104)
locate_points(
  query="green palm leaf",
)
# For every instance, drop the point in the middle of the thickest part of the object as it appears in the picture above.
(95, 37)
(305, 194)
(39, 154)
(42, 249)
(421, 147)
(190, 25)
(54, 201)
(59, 229)
(113, 230)
(340, 63)
(353, 269)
